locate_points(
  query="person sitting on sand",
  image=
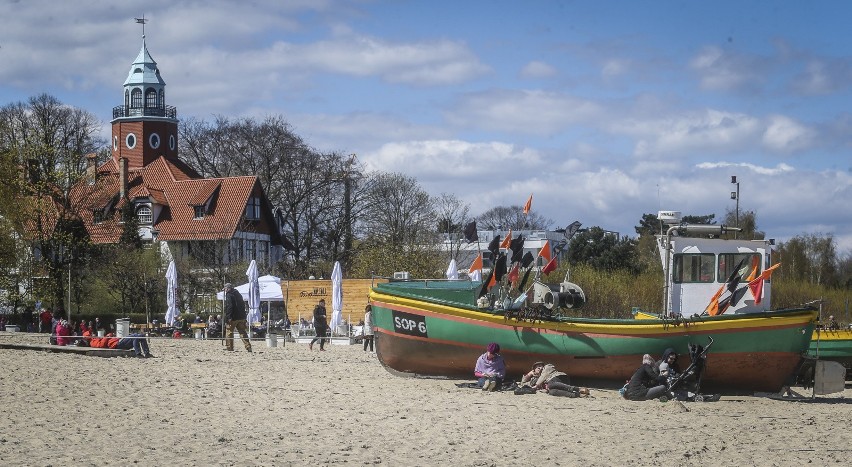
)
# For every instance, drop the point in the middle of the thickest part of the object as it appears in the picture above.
(490, 368)
(645, 384)
(667, 367)
(63, 330)
(546, 378)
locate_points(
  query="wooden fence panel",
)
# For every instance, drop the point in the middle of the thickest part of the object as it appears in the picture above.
(302, 296)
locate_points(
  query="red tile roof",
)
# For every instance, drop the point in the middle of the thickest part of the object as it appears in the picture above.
(177, 189)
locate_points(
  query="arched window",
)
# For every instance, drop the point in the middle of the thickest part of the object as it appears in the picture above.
(143, 215)
(151, 98)
(162, 99)
(136, 98)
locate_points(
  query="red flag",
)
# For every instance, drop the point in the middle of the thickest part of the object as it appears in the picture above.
(507, 241)
(545, 251)
(528, 205)
(550, 267)
(514, 273)
(493, 281)
(477, 264)
(756, 285)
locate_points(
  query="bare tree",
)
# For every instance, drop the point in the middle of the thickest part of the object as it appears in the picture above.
(49, 140)
(810, 257)
(399, 211)
(452, 215)
(512, 217)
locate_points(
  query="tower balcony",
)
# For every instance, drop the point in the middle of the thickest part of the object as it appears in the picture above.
(127, 111)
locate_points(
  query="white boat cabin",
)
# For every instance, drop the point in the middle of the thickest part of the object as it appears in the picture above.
(697, 268)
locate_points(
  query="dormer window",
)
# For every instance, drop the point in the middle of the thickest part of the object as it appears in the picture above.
(98, 216)
(199, 212)
(144, 215)
(253, 208)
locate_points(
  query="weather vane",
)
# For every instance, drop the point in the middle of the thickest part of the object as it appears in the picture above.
(142, 21)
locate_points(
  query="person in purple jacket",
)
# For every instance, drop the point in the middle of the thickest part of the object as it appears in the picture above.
(490, 368)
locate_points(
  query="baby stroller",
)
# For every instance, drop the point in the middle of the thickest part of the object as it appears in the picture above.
(687, 384)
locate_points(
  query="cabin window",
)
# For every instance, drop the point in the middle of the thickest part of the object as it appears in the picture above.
(748, 264)
(693, 267)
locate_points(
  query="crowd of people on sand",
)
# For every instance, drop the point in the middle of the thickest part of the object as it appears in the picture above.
(654, 379)
(82, 333)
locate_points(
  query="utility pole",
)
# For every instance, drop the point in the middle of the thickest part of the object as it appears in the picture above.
(736, 195)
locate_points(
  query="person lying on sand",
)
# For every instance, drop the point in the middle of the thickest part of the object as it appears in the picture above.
(546, 378)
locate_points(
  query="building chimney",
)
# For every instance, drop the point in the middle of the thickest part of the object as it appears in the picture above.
(122, 176)
(91, 168)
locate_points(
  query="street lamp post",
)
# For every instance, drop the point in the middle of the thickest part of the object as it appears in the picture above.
(736, 196)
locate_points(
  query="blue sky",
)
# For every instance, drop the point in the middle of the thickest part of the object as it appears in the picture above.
(602, 110)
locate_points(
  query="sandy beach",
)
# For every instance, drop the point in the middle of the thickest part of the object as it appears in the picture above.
(196, 404)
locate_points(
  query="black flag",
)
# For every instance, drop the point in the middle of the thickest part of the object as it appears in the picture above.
(487, 280)
(734, 279)
(500, 268)
(470, 233)
(572, 229)
(517, 247)
(494, 246)
(527, 259)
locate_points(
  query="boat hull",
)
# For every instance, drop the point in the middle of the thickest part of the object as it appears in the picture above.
(832, 345)
(750, 352)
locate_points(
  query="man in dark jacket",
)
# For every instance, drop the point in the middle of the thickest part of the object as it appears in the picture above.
(235, 317)
(320, 325)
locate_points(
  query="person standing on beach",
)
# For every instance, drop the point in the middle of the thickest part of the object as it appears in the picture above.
(235, 317)
(45, 320)
(320, 325)
(369, 335)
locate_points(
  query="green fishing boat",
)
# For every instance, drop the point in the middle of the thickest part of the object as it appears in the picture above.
(439, 327)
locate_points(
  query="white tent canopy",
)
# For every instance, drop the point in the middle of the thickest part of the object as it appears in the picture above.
(270, 290)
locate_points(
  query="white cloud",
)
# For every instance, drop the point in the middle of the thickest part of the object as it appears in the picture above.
(439, 62)
(615, 67)
(710, 130)
(722, 70)
(538, 69)
(452, 159)
(778, 170)
(783, 134)
(526, 111)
